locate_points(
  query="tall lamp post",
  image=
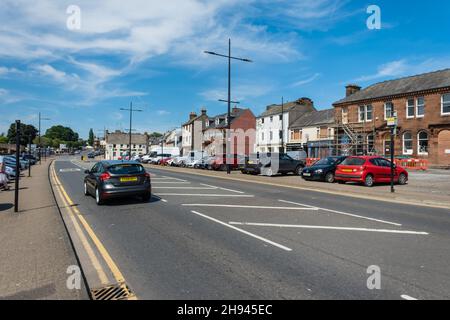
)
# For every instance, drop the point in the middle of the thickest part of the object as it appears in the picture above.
(40, 145)
(282, 125)
(131, 124)
(229, 57)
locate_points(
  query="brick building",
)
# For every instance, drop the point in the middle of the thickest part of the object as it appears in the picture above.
(243, 133)
(422, 103)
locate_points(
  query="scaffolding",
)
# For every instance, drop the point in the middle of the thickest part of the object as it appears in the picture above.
(355, 139)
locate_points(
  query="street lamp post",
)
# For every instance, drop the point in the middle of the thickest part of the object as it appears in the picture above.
(40, 146)
(131, 124)
(282, 125)
(229, 57)
(16, 191)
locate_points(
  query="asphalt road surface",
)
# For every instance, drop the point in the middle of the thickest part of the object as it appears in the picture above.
(207, 238)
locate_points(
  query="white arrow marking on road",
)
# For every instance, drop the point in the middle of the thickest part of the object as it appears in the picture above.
(406, 297)
(69, 170)
(327, 228)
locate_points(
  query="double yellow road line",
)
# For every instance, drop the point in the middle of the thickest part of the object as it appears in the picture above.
(82, 228)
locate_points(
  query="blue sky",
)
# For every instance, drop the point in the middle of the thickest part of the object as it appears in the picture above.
(151, 53)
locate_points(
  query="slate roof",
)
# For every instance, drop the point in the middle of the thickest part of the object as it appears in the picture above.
(315, 118)
(427, 81)
(124, 138)
(305, 105)
(235, 113)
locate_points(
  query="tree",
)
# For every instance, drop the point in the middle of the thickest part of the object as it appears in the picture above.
(3, 138)
(91, 138)
(155, 135)
(61, 133)
(26, 130)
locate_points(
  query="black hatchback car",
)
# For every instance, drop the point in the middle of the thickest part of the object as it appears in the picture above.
(263, 163)
(323, 170)
(112, 179)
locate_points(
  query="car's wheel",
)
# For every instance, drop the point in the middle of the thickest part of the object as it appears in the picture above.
(98, 197)
(223, 167)
(402, 179)
(86, 191)
(329, 177)
(298, 171)
(369, 181)
(146, 197)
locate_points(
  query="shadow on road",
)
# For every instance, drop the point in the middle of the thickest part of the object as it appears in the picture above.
(130, 201)
(5, 206)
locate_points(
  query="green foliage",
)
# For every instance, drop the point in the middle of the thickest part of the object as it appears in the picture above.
(3, 138)
(91, 138)
(155, 135)
(26, 131)
(61, 133)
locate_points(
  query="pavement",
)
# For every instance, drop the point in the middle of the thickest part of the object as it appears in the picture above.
(201, 237)
(35, 250)
(435, 182)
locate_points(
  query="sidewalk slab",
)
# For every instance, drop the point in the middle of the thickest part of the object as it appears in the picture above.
(35, 250)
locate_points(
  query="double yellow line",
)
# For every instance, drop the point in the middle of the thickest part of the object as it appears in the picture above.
(77, 218)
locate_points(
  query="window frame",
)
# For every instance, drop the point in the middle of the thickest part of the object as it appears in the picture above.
(385, 110)
(418, 143)
(417, 107)
(405, 151)
(408, 106)
(442, 104)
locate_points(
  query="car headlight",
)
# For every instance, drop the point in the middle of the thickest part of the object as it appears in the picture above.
(320, 171)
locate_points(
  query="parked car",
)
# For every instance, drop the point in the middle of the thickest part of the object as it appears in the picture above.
(205, 162)
(30, 158)
(91, 155)
(179, 161)
(111, 179)
(323, 170)
(262, 164)
(369, 170)
(11, 161)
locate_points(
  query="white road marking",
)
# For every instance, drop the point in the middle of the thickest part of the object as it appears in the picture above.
(344, 213)
(164, 200)
(406, 297)
(188, 188)
(247, 207)
(165, 179)
(169, 182)
(69, 170)
(206, 195)
(243, 231)
(224, 189)
(327, 228)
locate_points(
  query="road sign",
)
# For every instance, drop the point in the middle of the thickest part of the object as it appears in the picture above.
(392, 122)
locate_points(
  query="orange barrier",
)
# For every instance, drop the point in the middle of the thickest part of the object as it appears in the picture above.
(311, 161)
(412, 164)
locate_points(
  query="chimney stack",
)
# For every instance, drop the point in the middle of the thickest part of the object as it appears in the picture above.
(192, 115)
(305, 102)
(204, 111)
(351, 89)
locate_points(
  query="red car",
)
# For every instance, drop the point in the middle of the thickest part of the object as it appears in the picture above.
(369, 170)
(221, 161)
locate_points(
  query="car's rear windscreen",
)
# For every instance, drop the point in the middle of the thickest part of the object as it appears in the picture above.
(126, 169)
(353, 162)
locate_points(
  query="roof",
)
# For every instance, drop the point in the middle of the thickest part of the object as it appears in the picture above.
(191, 121)
(235, 114)
(427, 81)
(303, 104)
(315, 118)
(124, 138)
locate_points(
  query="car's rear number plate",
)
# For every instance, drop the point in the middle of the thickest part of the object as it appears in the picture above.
(131, 179)
(307, 174)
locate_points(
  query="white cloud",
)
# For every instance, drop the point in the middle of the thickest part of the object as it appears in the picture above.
(306, 81)
(406, 67)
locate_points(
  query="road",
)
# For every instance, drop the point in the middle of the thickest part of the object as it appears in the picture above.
(207, 238)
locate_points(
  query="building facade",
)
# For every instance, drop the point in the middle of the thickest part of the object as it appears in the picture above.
(422, 105)
(314, 133)
(272, 127)
(192, 132)
(173, 138)
(117, 144)
(242, 133)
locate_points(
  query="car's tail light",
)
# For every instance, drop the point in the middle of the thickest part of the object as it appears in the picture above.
(105, 176)
(147, 175)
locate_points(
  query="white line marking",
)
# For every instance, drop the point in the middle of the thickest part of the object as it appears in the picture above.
(165, 179)
(344, 213)
(327, 228)
(169, 182)
(225, 189)
(206, 195)
(164, 200)
(243, 231)
(247, 207)
(188, 188)
(406, 297)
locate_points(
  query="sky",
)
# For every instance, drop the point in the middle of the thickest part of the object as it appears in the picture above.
(79, 70)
